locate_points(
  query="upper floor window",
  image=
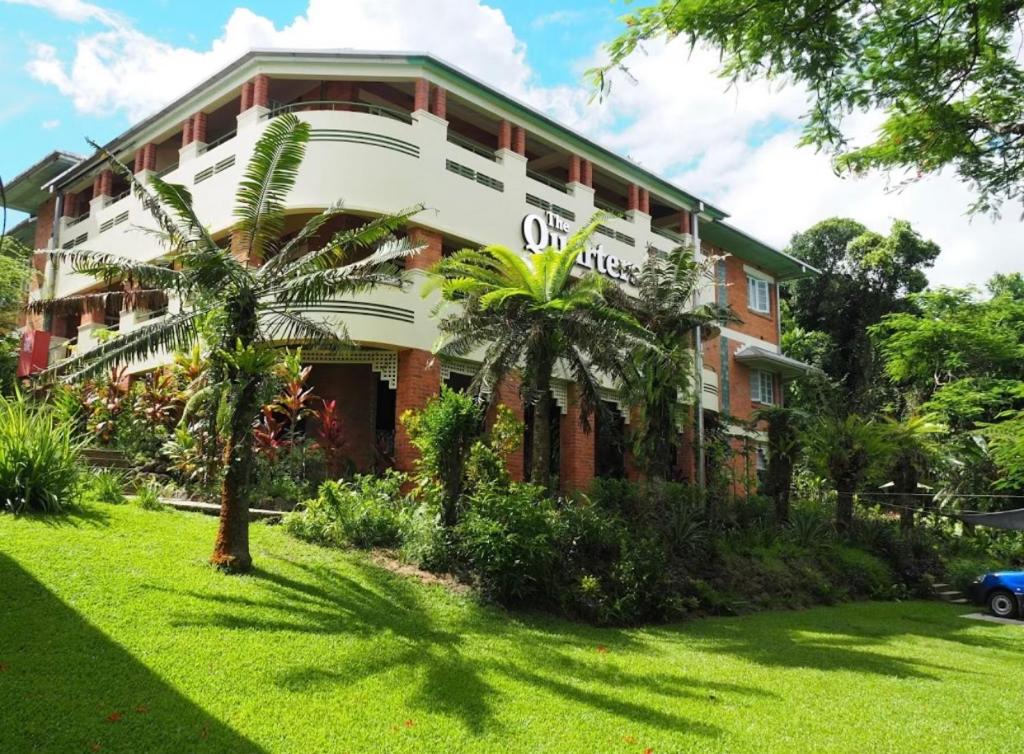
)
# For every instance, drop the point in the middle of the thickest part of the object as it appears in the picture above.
(762, 387)
(758, 296)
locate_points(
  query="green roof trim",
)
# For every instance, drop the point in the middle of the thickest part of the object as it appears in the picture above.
(733, 240)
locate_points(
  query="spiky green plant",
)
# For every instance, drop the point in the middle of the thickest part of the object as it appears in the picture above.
(40, 458)
(666, 303)
(244, 296)
(531, 315)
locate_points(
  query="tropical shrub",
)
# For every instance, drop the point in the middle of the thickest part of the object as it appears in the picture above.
(105, 486)
(40, 458)
(444, 431)
(147, 497)
(365, 511)
(507, 538)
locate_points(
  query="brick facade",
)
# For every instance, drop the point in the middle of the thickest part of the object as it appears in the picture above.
(577, 448)
(421, 95)
(199, 127)
(504, 135)
(439, 102)
(519, 140)
(44, 222)
(261, 90)
(419, 379)
(430, 254)
(353, 388)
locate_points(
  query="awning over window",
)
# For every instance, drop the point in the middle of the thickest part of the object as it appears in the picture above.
(770, 361)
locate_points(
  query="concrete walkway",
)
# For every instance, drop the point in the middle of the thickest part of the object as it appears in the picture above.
(994, 619)
(212, 509)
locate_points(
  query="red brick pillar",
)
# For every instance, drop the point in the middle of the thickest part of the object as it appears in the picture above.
(519, 140)
(633, 198)
(44, 225)
(199, 127)
(246, 97)
(419, 379)
(137, 162)
(420, 94)
(70, 208)
(94, 315)
(430, 254)
(103, 185)
(505, 135)
(684, 223)
(587, 174)
(645, 201)
(439, 102)
(508, 394)
(574, 168)
(149, 157)
(261, 90)
(576, 467)
(186, 132)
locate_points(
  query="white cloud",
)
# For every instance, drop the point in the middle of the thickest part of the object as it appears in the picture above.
(50, 124)
(734, 146)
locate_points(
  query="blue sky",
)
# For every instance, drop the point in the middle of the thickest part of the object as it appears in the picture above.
(77, 68)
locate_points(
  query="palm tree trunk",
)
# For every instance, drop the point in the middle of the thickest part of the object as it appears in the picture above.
(540, 458)
(231, 549)
(844, 509)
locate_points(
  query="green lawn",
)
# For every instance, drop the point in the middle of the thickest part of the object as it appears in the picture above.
(115, 636)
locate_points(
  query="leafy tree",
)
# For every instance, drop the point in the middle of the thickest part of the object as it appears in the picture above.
(532, 315)
(864, 276)
(946, 75)
(667, 286)
(15, 271)
(785, 442)
(242, 309)
(958, 355)
(844, 450)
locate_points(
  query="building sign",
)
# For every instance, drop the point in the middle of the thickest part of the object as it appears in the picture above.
(551, 229)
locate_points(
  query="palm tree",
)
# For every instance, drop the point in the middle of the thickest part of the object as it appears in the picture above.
(784, 443)
(913, 455)
(529, 315)
(844, 450)
(660, 380)
(240, 309)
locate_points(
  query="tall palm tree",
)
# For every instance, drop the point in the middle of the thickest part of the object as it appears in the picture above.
(530, 315)
(661, 381)
(240, 309)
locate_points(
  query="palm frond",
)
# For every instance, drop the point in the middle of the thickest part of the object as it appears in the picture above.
(131, 300)
(280, 325)
(269, 176)
(114, 268)
(178, 200)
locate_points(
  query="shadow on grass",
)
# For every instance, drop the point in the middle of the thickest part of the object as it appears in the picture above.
(834, 640)
(450, 679)
(66, 687)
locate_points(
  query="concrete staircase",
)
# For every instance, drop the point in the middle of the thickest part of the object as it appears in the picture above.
(106, 458)
(948, 593)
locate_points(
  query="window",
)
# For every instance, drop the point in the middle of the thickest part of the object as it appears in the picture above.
(762, 387)
(758, 297)
(761, 459)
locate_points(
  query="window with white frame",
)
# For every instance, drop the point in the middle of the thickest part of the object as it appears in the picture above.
(762, 387)
(758, 296)
(761, 458)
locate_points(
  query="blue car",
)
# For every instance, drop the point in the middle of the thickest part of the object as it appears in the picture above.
(1002, 592)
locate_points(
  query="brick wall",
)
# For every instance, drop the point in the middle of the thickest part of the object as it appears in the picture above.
(432, 243)
(576, 467)
(762, 326)
(354, 387)
(507, 393)
(419, 379)
(44, 222)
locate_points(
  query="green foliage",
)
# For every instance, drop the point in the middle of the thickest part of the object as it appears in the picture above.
(487, 458)
(444, 431)
(947, 76)
(507, 538)
(864, 277)
(40, 460)
(366, 511)
(104, 486)
(147, 497)
(529, 314)
(659, 381)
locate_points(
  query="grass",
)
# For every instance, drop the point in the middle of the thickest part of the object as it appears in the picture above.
(115, 636)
